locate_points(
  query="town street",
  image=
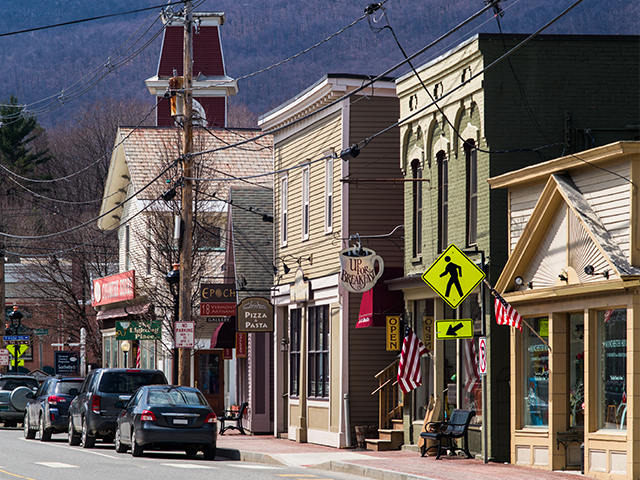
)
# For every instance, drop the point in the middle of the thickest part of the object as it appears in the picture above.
(56, 460)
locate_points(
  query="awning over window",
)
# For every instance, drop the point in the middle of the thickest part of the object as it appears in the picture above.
(377, 304)
(125, 311)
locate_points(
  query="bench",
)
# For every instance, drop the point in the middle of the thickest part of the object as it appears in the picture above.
(231, 416)
(456, 427)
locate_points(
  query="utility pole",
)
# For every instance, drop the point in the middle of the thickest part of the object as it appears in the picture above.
(184, 366)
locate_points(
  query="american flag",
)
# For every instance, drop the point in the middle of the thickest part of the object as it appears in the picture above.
(505, 313)
(409, 374)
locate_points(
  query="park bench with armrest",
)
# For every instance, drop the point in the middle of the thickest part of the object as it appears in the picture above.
(456, 427)
(231, 416)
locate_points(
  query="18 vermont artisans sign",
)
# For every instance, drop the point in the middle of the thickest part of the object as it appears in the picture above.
(255, 314)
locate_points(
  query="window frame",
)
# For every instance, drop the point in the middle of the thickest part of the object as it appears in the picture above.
(127, 247)
(305, 221)
(318, 352)
(284, 210)
(443, 200)
(536, 393)
(471, 158)
(416, 171)
(295, 325)
(328, 195)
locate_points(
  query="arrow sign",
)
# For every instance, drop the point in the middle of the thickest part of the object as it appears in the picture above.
(452, 329)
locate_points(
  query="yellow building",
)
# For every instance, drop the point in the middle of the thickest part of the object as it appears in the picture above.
(574, 275)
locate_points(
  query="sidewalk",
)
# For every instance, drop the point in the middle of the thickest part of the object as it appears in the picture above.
(390, 465)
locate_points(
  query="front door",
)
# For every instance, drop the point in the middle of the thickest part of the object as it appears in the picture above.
(210, 377)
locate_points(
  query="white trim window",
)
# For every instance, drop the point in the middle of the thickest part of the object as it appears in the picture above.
(284, 214)
(305, 203)
(328, 195)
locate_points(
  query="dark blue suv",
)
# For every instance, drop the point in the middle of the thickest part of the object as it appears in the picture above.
(93, 413)
(48, 410)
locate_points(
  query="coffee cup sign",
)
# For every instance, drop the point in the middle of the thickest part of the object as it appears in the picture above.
(358, 272)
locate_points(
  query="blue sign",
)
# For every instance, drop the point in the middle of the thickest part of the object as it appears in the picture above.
(16, 338)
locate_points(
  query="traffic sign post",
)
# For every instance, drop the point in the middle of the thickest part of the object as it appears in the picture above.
(482, 355)
(454, 329)
(453, 276)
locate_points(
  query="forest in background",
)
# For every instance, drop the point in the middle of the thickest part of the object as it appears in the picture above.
(256, 34)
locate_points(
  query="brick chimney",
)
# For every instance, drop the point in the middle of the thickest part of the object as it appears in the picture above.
(210, 81)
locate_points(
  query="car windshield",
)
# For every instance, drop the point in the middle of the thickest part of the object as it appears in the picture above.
(62, 388)
(13, 383)
(175, 396)
(129, 382)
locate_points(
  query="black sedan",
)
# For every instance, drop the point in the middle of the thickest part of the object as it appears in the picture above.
(48, 410)
(166, 417)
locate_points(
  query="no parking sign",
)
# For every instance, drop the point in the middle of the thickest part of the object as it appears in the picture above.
(482, 355)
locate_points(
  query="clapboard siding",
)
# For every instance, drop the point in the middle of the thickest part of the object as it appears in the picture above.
(309, 144)
(608, 193)
(522, 202)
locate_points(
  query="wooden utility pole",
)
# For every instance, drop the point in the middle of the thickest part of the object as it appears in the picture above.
(184, 366)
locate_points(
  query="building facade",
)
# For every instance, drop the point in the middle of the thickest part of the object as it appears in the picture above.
(573, 274)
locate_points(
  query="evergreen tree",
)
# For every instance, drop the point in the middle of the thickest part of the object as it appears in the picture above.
(18, 131)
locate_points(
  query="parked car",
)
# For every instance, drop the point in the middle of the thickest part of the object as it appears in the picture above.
(14, 389)
(47, 412)
(92, 414)
(167, 418)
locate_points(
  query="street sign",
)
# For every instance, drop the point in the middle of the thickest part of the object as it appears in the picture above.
(41, 332)
(453, 276)
(452, 329)
(5, 356)
(482, 355)
(16, 339)
(18, 351)
(185, 334)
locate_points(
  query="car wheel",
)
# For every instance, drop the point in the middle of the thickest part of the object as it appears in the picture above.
(45, 435)
(74, 438)
(120, 447)
(191, 451)
(136, 450)
(29, 434)
(87, 440)
(210, 452)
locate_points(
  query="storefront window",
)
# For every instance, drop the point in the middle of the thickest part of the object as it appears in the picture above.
(576, 370)
(536, 373)
(294, 352)
(318, 351)
(107, 352)
(612, 369)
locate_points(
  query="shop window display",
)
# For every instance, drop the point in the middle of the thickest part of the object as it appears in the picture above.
(536, 374)
(612, 369)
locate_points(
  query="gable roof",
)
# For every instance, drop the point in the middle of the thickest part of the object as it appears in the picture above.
(142, 154)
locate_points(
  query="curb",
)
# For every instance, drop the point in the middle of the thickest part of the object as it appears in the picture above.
(369, 472)
(243, 456)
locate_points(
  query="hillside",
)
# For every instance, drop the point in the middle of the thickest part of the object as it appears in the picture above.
(257, 34)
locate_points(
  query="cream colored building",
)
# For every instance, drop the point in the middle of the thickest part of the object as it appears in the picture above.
(574, 275)
(324, 366)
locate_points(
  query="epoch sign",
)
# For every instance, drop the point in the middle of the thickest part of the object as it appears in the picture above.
(255, 314)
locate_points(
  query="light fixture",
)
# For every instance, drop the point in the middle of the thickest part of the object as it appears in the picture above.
(563, 278)
(173, 277)
(589, 270)
(169, 194)
(284, 345)
(349, 153)
(519, 281)
(284, 265)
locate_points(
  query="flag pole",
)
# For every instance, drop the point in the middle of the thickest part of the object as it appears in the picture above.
(523, 320)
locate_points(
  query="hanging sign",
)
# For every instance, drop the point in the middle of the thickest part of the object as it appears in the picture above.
(357, 269)
(241, 345)
(218, 299)
(137, 330)
(255, 314)
(114, 288)
(299, 291)
(394, 337)
(427, 332)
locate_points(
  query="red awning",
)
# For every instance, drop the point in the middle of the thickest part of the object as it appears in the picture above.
(377, 304)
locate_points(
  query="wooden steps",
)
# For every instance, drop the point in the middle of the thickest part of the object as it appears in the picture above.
(389, 439)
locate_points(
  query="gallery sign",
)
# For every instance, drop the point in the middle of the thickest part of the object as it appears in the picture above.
(218, 300)
(255, 314)
(114, 288)
(357, 269)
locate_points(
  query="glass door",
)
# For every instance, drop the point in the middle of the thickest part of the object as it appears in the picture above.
(210, 378)
(576, 370)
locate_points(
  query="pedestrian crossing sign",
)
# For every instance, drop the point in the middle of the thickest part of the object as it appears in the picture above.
(453, 276)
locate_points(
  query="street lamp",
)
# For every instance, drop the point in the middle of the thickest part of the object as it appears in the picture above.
(125, 346)
(173, 278)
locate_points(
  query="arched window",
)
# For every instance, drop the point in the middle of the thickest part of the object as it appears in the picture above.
(471, 156)
(416, 171)
(443, 200)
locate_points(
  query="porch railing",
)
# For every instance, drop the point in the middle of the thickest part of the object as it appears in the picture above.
(389, 406)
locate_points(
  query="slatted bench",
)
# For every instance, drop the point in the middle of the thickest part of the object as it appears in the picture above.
(456, 427)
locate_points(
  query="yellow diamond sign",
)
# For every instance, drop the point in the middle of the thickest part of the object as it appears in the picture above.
(453, 276)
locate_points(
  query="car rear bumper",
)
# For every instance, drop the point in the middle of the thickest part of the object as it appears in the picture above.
(155, 434)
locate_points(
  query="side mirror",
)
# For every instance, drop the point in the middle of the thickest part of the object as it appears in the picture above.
(73, 392)
(119, 404)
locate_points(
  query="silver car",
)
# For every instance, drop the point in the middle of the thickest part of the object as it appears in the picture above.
(15, 391)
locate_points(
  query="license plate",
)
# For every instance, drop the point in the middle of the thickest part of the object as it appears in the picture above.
(180, 421)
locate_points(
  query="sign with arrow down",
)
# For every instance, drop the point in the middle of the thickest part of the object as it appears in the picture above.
(450, 329)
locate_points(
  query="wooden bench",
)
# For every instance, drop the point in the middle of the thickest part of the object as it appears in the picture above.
(230, 416)
(456, 427)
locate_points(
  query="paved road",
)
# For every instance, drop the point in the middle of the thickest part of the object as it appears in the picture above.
(56, 460)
